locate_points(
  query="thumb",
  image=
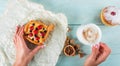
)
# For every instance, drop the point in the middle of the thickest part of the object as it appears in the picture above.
(34, 51)
(95, 51)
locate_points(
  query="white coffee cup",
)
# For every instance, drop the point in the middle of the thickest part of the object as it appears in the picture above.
(89, 34)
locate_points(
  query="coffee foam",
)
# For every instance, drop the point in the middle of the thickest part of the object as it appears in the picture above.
(91, 39)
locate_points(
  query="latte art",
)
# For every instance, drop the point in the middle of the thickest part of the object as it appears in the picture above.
(90, 34)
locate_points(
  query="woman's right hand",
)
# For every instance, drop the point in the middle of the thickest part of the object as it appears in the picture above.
(99, 54)
(23, 54)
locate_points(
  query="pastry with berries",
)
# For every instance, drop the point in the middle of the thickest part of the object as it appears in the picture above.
(110, 16)
(37, 32)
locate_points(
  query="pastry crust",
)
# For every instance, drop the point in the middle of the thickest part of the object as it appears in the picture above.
(37, 32)
(104, 21)
(110, 16)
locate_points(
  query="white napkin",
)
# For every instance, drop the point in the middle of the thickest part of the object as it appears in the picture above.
(20, 12)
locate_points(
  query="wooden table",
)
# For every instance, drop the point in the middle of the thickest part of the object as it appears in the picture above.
(81, 12)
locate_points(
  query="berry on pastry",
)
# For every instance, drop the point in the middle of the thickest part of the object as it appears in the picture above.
(110, 16)
(37, 32)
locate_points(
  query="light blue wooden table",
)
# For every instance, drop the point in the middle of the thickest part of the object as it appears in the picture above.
(83, 12)
(3, 4)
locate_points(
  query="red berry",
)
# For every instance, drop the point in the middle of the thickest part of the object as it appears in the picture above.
(43, 34)
(113, 13)
(30, 34)
(37, 38)
(35, 31)
(39, 27)
(31, 28)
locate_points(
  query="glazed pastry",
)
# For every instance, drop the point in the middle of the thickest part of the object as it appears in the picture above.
(110, 16)
(89, 34)
(37, 32)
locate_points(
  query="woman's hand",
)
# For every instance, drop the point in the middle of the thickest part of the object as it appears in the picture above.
(23, 54)
(99, 54)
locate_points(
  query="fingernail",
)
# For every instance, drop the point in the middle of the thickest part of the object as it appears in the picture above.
(97, 46)
(18, 26)
(43, 46)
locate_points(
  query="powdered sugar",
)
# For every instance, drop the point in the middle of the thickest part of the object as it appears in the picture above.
(112, 14)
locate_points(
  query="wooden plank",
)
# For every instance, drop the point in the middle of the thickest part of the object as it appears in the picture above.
(78, 11)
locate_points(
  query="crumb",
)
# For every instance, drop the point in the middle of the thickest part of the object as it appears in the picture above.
(72, 41)
(81, 54)
(68, 29)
